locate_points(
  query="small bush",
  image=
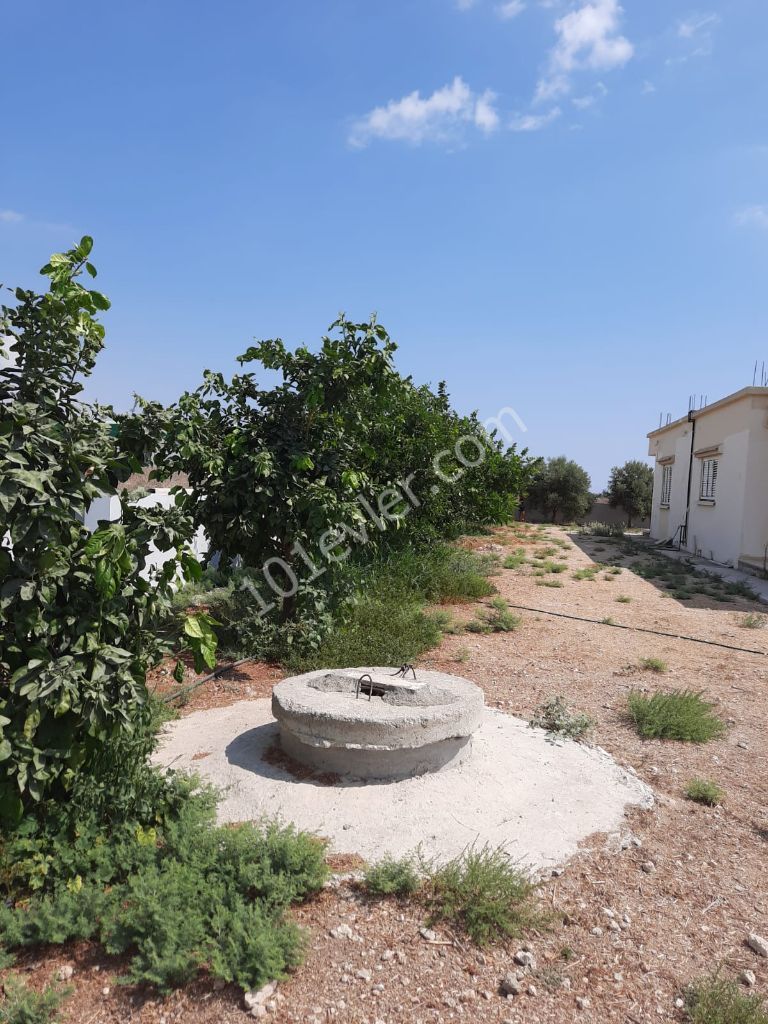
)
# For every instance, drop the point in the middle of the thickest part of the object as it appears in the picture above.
(623, 599)
(515, 560)
(602, 530)
(676, 715)
(657, 665)
(392, 877)
(701, 791)
(554, 716)
(587, 573)
(174, 897)
(715, 1000)
(495, 619)
(751, 620)
(24, 1005)
(549, 583)
(375, 630)
(483, 893)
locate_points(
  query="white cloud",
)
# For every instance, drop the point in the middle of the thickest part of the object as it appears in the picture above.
(510, 9)
(534, 122)
(441, 117)
(753, 216)
(587, 38)
(589, 100)
(691, 26)
(464, 5)
(10, 217)
(647, 88)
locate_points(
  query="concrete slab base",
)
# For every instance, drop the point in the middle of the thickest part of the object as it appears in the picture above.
(519, 788)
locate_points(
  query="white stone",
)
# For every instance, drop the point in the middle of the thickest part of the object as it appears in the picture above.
(510, 984)
(748, 978)
(65, 973)
(758, 944)
(258, 997)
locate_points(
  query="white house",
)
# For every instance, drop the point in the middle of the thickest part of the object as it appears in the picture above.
(710, 486)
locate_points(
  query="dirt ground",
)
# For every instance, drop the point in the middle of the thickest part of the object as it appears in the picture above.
(634, 921)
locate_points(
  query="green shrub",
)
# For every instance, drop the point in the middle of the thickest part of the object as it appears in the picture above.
(705, 792)
(602, 530)
(675, 715)
(623, 599)
(515, 560)
(174, 896)
(549, 583)
(483, 893)
(715, 1000)
(554, 716)
(657, 665)
(387, 630)
(495, 619)
(392, 877)
(23, 1005)
(587, 573)
(751, 620)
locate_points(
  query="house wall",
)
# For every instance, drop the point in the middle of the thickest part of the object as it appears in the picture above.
(107, 507)
(734, 527)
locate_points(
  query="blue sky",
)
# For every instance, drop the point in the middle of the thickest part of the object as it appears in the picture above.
(555, 205)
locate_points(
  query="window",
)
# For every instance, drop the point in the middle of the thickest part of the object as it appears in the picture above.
(708, 479)
(666, 485)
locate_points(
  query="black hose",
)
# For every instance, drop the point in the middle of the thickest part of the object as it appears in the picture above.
(222, 670)
(640, 629)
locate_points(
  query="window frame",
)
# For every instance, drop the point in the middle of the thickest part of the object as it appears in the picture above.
(708, 479)
(666, 485)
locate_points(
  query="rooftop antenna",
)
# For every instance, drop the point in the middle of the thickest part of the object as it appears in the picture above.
(660, 416)
(754, 375)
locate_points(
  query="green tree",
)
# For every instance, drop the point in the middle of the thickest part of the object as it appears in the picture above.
(78, 617)
(631, 487)
(561, 488)
(338, 455)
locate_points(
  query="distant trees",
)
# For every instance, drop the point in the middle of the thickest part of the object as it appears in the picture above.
(631, 487)
(561, 488)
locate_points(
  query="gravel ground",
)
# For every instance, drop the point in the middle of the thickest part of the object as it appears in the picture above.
(633, 922)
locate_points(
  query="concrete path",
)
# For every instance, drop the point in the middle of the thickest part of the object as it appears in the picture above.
(538, 797)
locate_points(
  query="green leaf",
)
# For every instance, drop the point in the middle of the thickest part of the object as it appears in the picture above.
(178, 672)
(5, 749)
(100, 301)
(85, 246)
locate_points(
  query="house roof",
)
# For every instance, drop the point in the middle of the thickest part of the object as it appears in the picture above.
(695, 414)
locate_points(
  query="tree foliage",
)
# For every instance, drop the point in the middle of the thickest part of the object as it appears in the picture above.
(78, 618)
(631, 487)
(561, 488)
(339, 455)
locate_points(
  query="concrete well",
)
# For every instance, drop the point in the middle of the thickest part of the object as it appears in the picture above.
(370, 723)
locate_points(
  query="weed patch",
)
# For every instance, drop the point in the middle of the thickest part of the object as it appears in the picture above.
(657, 665)
(717, 1001)
(391, 877)
(702, 791)
(515, 560)
(751, 620)
(675, 715)
(554, 716)
(484, 894)
(495, 619)
(23, 1005)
